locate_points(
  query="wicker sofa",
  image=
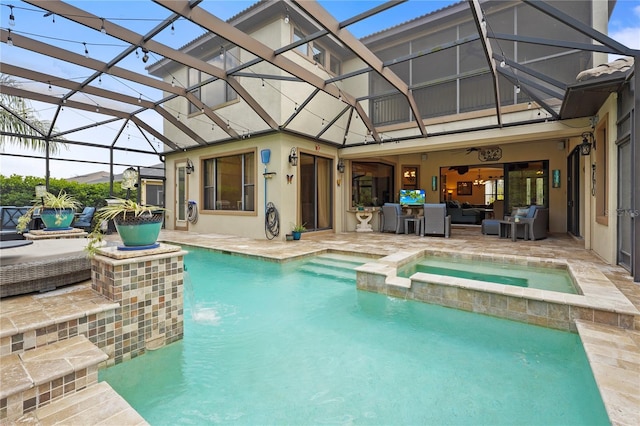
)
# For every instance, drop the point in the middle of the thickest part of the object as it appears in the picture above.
(43, 266)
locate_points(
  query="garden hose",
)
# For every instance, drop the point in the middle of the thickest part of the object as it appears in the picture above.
(271, 222)
(192, 212)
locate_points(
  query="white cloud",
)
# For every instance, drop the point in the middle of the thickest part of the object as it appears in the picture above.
(629, 36)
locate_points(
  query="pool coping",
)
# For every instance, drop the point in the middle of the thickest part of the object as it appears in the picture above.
(599, 300)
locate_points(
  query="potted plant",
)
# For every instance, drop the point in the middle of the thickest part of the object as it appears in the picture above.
(56, 211)
(137, 225)
(297, 230)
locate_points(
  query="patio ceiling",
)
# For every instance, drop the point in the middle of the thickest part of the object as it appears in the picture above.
(114, 90)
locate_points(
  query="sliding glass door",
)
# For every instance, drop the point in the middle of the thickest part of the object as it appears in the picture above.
(316, 208)
(527, 184)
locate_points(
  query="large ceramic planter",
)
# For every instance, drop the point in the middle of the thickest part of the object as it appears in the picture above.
(140, 231)
(57, 219)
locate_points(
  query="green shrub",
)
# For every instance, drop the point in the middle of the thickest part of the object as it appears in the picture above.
(17, 190)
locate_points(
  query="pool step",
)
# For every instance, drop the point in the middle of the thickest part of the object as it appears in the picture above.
(333, 263)
(98, 404)
(334, 266)
(325, 271)
(38, 376)
(35, 320)
(347, 258)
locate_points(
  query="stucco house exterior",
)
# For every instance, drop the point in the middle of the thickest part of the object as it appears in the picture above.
(490, 105)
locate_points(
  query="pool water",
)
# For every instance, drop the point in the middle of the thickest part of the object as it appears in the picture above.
(501, 273)
(269, 343)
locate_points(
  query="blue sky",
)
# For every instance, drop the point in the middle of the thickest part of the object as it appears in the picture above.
(624, 26)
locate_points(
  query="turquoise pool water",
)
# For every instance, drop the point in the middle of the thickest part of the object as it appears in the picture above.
(494, 272)
(268, 344)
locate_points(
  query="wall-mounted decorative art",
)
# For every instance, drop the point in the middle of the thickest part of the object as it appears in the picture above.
(465, 188)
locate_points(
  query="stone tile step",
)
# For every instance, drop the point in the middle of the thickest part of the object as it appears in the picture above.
(46, 365)
(35, 320)
(98, 404)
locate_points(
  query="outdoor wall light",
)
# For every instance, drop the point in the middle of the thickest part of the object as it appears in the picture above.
(129, 178)
(587, 142)
(293, 157)
(41, 189)
(341, 165)
(190, 168)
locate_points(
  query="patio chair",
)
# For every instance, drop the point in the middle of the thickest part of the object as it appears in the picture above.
(536, 216)
(9, 216)
(538, 219)
(393, 218)
(436, 220)
(84, 219)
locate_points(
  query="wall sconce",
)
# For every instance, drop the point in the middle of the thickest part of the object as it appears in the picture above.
(293, 158)
(190, 168)
(341, 165)
(587, 142)
(555, 178)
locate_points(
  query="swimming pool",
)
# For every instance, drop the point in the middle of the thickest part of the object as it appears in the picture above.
(281, 344)
(542, 278)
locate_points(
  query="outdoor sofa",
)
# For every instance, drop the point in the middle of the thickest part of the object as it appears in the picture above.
(43, 266)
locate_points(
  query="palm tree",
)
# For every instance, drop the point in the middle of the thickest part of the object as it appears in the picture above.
(29, 134)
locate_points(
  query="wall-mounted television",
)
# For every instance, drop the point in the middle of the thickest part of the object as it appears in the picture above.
(412, 197)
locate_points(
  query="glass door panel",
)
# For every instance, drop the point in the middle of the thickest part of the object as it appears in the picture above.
(181, 197)
(316, 192)
(527, 184)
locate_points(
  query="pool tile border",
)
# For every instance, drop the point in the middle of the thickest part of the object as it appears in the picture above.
(599, 300)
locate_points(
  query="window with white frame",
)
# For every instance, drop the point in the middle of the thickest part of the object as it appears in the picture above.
(493, 190)
(297, 36)
(335, 65)
(229, 182)
(215, 92)
(317, 53)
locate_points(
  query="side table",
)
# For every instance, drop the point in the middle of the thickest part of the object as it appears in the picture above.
(508, 228)
(364, 216)
(417, 225)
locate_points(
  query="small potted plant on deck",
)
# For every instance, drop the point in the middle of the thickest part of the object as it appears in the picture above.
(56, 211)
(297, 230)
(138, 225)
